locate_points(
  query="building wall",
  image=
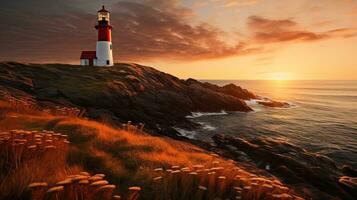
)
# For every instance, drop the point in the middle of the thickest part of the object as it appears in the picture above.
(84, 62)
(95, 62)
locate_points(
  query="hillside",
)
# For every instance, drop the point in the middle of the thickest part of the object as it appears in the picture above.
(120, 93)
(73, 158)
(65, 98)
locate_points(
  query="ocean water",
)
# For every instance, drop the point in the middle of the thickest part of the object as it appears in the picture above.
(323, 118)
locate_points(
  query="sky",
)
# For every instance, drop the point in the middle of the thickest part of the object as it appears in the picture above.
(202, 39)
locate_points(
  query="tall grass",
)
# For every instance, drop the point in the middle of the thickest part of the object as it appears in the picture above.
(44, 165)
(216, 181)
(33, 162)
(14, 105)
(30, 155)
(81, 186)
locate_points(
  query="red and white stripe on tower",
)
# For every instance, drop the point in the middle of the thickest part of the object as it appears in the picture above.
(104, 50)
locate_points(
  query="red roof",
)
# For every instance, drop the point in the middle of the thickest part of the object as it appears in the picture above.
(88, 55)
(103, 9)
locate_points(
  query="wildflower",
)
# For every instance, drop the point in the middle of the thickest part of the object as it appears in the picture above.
(198, 166)
(176, 172)
(100, 175)
(202, 187)
(84, 173)
(158, 169)
(135, 188)
(80, 177)
(175, 167)
(37, 185)
(65, 182)
(55, 189)
(99, 183)
(95, 178)
(107, 187)
(31, 147)
(157, 178)
(50, 147)
(83, 182)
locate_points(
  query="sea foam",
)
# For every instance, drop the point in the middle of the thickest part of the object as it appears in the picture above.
(201, 114)
(186, 133)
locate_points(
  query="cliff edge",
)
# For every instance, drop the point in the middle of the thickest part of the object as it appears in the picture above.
(120, 93)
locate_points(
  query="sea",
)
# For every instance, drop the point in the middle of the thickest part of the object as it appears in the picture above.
(322, 117)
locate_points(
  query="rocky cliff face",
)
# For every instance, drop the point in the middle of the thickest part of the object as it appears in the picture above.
(120, 93)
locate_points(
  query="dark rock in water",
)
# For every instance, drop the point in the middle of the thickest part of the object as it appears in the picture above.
(349, 184)
(275, 104)
(230, 89)
(292, 164)
(283, 171)
(122, 93)
(349, 171)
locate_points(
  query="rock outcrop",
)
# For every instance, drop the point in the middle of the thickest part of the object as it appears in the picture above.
(315, 175)
(278, 104)
(121, 93)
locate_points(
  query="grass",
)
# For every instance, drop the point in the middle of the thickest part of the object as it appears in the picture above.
(27, 156)
(137, 165)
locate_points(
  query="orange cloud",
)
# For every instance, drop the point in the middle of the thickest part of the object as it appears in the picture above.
(277, 31)
(272, 31)
(143, 30)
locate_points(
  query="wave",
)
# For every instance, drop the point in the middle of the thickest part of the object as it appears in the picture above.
(186, 133)
(201, 114)
(206, 126)
(254, 104)
(329, 95)
(323, 89)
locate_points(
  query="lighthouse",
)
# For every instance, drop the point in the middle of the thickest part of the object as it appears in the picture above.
(103, 56)
(104, 43)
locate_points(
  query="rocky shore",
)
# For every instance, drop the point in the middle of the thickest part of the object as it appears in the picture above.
(317, 176)
(140, 94)
(125, 92)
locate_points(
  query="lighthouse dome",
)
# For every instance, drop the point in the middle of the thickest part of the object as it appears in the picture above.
(103, 15)
(103, 9)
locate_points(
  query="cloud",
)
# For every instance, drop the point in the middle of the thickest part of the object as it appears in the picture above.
(235, 3)
(57, 31)
(274, 31)
(148, 32)
(143, 30)
(286, 30)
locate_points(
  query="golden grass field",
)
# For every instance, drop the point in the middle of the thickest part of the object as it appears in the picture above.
(46, 156)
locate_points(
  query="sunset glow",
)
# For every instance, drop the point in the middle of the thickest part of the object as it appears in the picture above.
(203, 39)
(178, 99)
(279, 76)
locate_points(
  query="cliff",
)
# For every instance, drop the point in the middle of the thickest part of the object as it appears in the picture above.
(120, 93)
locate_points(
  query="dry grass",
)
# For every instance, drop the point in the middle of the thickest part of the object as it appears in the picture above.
(219, 180)
(158, 167)
(28, 156)
(81, 186)
(13, 105)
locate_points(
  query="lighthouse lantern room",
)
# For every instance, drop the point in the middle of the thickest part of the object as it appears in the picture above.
(104, 50)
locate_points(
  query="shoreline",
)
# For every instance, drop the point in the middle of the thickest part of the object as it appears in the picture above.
(142, 94)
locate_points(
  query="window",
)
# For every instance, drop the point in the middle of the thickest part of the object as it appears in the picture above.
(108, 62)
(111, 46)
(103, 16)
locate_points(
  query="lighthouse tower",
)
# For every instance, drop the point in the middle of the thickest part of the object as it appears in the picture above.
(104, 51)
